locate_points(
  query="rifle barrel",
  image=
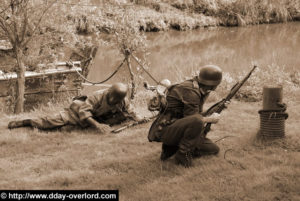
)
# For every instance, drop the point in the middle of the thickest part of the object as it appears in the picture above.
(218, 107)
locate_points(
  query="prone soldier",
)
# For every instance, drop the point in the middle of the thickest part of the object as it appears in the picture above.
(100, 110)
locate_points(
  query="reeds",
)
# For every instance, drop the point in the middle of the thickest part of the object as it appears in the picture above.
(160, 15)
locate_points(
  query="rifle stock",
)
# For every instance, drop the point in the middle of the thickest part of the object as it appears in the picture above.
(220, 106)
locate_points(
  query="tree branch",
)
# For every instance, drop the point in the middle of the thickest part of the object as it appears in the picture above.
(37, 24)
(5, 9)
(25, 24)
(15, 31)
(5, 27)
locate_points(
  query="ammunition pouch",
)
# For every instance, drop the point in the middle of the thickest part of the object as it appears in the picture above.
(157, 103)
(156, 129)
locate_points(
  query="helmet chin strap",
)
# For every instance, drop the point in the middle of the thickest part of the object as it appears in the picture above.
(204, 92)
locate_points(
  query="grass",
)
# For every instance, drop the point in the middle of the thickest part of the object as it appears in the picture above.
(272, 75)
(252, 170)
(161, 15)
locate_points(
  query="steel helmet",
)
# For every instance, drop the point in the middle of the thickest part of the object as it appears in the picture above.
(210, 75)
(161, 87)
(117, 92)
(165, 82)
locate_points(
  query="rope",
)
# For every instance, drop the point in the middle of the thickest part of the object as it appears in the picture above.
(224, 138)
(145, 69)
(226, 152)
(118, 68)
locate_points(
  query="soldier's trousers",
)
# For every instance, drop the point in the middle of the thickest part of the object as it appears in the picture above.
(185, 133)
(49, 122)
(64, 118)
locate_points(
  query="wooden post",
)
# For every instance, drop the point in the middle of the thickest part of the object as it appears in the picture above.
(89, 60)
(271, 97)
(132, 93)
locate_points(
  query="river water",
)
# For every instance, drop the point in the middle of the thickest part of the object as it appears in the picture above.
(175, 54)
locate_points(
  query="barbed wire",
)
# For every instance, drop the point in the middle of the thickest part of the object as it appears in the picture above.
(75, 4)
(101, 82)
(90, 5)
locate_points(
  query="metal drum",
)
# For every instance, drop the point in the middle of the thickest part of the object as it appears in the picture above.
(272, 123)
(273, 115)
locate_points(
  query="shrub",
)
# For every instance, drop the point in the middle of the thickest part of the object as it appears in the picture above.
(251, 91)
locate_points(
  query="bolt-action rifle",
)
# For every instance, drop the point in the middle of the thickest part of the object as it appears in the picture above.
(220, 106)
(133, 124)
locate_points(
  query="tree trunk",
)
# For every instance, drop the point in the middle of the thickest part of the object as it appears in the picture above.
(131, 77)
(19, 105)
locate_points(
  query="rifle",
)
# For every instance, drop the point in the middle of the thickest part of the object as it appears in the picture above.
(220, 106)
(117, 130)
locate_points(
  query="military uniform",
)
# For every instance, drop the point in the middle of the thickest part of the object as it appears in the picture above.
(179, 125)
(95, 106)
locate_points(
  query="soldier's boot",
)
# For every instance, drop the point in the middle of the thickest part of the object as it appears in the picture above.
(167, 151)
(18, 124)
(184, 159)
(196, 153)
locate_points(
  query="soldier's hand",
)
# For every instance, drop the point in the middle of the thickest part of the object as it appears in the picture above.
(214, 118)
(139, 118)
(226, 104)
(103, 128)
(146, 119)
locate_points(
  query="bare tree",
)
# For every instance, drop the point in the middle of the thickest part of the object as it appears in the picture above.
(19, 23)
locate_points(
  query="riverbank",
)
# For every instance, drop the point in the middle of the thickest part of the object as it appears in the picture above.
(162, 15)
(245, 169)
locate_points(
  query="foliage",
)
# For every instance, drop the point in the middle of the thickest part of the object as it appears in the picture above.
(57, 32)
(228, 12)
(268, 76)
(39, 32)
(19, 23)
(127, 36)
(239, 12)
(271, 75)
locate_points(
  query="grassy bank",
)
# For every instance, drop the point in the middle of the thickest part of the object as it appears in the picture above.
(251, 170)
(240, 13)
(245, 169)
(160, 15)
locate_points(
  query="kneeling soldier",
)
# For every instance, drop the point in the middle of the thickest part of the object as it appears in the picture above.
(99, 110)
(179, 125)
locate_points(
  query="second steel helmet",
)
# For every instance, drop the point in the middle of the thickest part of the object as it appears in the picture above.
(117, 92)
(210, 75)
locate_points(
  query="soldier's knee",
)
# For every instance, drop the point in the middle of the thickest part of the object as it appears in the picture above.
(196, 120)
(215, 149)
(212, 149)
(207, 148)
